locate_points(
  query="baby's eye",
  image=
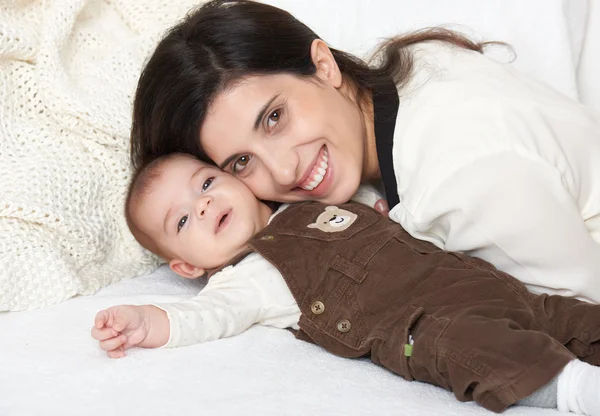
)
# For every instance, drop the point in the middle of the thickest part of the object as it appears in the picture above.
(273, 119)
(181, 222)
(240, 163)
(207, 183)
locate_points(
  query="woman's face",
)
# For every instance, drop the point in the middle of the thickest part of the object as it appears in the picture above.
(288, 138)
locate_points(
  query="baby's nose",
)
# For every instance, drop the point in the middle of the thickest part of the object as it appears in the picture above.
(203, 205)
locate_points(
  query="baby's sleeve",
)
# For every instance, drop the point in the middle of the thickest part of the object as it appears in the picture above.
(220, 310)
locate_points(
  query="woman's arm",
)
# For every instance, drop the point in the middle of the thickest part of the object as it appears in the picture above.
(516, 213)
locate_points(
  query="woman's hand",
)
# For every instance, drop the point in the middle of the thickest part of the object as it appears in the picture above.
(382, 207)
(121, 327)
(369, 195)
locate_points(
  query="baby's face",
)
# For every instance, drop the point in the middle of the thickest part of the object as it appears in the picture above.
(199, 214)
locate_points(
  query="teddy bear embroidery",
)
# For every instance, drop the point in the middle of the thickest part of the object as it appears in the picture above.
(334, 220)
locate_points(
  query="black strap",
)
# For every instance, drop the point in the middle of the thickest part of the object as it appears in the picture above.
(385, 108)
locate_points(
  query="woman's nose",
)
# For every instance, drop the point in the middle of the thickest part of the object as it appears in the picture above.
(283, 167)
(202, 205)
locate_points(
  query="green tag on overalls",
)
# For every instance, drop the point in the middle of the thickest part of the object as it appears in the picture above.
(407, 350)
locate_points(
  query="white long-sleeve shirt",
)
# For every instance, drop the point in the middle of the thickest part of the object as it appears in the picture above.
(496, 165)
(234, 299)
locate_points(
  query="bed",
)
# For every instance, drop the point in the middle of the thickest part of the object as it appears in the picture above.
(49, 364)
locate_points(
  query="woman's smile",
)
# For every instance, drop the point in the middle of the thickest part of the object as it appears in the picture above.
(319, 179)
(316, 172)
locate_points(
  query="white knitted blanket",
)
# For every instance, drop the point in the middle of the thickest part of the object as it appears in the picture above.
(68, 70)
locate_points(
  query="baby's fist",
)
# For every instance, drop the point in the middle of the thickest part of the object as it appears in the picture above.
(119, 328)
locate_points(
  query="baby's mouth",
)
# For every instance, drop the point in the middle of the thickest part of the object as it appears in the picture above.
(317, 172)
(222, 221)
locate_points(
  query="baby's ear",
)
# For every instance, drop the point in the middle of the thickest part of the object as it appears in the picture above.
(186, 270)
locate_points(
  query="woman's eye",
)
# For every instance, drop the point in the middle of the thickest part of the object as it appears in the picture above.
(273, 118)
(240, 164)
(181, 222)
(206, 184)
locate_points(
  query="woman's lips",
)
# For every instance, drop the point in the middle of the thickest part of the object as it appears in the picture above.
(223, 219)
(317, 172)
(325, 184)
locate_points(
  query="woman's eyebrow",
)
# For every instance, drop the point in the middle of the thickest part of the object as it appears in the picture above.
(259, 117)
(263, 110)
(227, 161)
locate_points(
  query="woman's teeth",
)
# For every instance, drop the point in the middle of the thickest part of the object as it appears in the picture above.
(317, 174)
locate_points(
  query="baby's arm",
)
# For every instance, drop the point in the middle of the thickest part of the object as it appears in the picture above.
(121, 327)
(228, 305)
(216, 312)
(252, 292)
(206, 317)
(233, 300)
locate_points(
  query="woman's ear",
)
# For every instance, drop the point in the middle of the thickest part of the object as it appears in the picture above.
(185, 269)
(327, 67)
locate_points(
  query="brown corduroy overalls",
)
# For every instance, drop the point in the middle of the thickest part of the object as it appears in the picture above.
(364, 285)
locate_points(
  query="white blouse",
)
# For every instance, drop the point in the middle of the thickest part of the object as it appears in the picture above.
(494, 164)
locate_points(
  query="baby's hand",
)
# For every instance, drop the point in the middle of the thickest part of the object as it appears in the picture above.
(121, 327)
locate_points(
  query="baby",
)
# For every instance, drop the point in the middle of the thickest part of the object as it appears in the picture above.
(355, 283)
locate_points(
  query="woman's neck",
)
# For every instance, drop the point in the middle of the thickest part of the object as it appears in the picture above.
(371, 161)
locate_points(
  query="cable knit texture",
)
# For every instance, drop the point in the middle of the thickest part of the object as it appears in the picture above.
(68, 73)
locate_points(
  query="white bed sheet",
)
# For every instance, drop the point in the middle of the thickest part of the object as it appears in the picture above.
(50, 365)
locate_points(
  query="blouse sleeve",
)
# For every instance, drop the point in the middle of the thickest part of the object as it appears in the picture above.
(517, 213)
(367, 194)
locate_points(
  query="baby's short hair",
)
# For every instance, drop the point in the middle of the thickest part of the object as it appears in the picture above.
(140, 185)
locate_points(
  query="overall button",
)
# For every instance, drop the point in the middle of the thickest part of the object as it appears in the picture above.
(344, 325)
(317, 307)
(267, 237)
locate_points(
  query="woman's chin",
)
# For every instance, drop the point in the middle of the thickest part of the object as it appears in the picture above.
(338, 196)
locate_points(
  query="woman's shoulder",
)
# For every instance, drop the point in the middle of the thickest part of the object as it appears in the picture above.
(462, 93)
(439, 56)
(461, 107)
(446, 74)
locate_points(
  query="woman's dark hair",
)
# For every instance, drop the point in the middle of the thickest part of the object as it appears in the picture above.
(224, 40)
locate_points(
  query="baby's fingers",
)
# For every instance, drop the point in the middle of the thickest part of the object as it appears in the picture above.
(118, 353)
(113, 343)
(101, 319)
(102, 334)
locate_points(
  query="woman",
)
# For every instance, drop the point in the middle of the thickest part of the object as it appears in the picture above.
(473, 156)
